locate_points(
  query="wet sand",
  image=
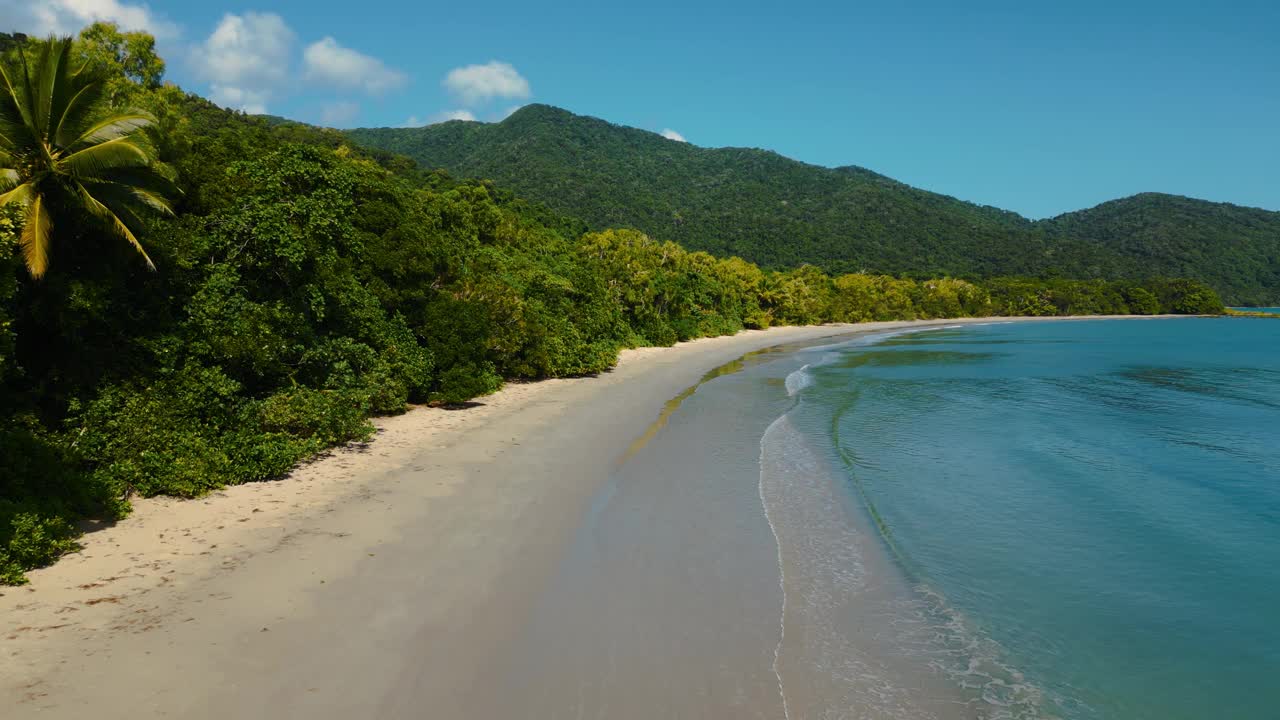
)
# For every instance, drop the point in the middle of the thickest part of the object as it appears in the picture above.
(389, 580)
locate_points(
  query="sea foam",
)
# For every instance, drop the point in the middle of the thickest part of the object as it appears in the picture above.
(827, 660)
(798, 380)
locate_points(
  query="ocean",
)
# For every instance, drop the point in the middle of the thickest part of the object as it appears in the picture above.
(1087, 513)
(1069, 520)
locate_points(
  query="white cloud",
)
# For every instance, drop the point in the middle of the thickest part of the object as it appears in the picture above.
(442, 116)
(670, 134)
(328, 62)
(246, 60)
(452, 115)
(475, 84)
(68, 17)
(250, 101)
(339, 114)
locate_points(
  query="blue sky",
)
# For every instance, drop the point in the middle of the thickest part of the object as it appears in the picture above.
(1036, 107)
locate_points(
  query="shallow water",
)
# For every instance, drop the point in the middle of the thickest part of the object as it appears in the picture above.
(1075, 520)
(1096, 504)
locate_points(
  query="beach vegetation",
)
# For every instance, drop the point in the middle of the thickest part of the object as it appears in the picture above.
(304, 284)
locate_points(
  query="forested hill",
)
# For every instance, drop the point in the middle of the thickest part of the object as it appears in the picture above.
(1235, 249)
(729, 201)
(780, 212)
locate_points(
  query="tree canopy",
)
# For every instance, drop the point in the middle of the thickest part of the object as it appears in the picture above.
(306, 283)
(781, 213)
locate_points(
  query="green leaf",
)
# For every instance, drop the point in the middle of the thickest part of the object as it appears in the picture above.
(95, 160)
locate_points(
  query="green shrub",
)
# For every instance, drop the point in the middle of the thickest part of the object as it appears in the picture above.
(462, 382)
(42, 490)
(1142, 301)
(28, 541)
(326, 417)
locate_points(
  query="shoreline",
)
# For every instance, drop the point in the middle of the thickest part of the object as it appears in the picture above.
(415, 553)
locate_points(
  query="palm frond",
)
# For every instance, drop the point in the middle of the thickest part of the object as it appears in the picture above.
(112, 218)
(85, 96)
(95, 160)
(35, 237)
(41, 83)
(14, 130)
(9, 179)
(148, 179)
(131, 201)
(62, 84)
(153, 200)
(25, 95)
(19, 194)
(50, 82)
(134, 191)
(111, 128)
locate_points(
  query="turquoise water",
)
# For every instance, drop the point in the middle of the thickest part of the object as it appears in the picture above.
(1271, 310)
(1086, 514)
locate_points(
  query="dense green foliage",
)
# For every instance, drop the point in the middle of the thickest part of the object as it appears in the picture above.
(11, 41)
(752, 203)
(65, 157)
(305, 285)
(1234, 249)
(782, 213)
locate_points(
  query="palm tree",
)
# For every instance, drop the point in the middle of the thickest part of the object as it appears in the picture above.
(63, 151)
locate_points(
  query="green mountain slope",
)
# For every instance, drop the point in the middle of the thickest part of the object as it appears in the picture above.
(1235, 249)
(739, 201)
(779, 212)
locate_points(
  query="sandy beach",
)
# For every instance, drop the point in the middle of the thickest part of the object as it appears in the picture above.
(377, 581)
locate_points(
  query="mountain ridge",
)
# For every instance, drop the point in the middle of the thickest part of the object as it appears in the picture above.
(780, 212)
